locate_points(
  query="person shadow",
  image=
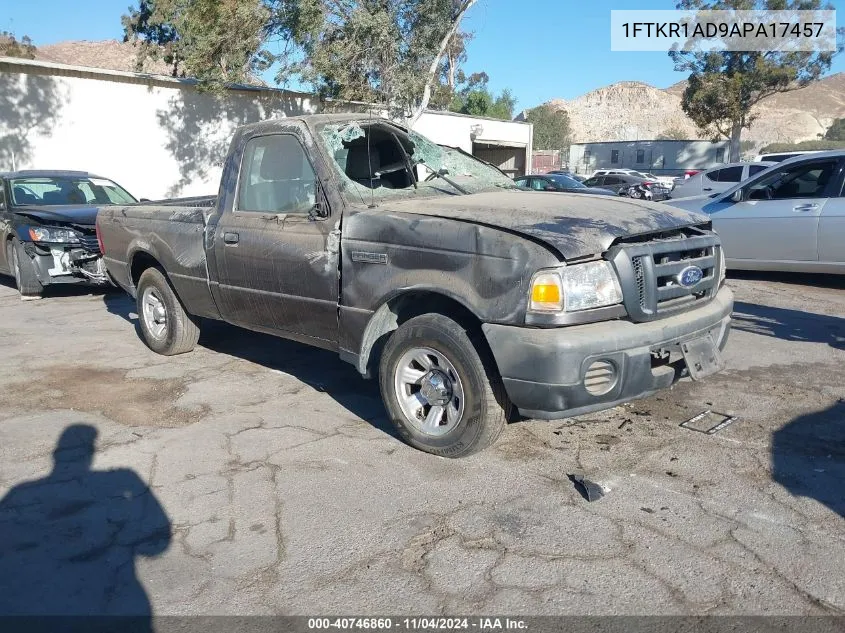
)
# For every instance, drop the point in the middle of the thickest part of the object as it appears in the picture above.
(808, 456)
(68, 544)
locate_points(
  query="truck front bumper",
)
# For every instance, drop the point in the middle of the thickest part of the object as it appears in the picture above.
(560, 372)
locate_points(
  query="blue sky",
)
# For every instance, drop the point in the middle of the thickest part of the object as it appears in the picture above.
(540, 49)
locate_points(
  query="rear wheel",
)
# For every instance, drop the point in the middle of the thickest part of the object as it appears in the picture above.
(166, 327)
(26, 281)
(444, 396)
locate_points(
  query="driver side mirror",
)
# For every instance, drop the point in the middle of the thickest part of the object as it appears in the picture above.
(736, 196)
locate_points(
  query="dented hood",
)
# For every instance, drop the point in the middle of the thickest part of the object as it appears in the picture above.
(575, 225)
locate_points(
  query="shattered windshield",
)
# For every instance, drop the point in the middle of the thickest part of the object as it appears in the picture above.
(378, 160)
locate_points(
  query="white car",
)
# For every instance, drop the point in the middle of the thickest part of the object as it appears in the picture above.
(776, 157)
(789, 217)
(717, 179)
(667, 181)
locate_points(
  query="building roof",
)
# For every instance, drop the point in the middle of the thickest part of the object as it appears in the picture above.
(653, 140)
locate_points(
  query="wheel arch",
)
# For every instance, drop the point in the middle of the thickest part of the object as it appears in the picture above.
(401, 307)
(139, 261)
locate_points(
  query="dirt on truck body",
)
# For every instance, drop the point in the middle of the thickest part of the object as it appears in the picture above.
(471, 300)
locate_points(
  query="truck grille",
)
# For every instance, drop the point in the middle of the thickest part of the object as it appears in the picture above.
(650, 273)
(90, 243)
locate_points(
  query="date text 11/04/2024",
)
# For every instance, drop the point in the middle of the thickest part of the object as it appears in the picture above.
(709, 30)
(418, 624)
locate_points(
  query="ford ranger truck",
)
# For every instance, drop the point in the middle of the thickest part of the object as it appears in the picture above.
(472, 301)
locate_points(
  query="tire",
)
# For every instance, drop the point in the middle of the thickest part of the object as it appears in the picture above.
(166, 327)
(26, 281)
(463, 426)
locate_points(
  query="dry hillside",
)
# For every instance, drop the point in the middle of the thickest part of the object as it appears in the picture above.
(109, 54)
(629, 110)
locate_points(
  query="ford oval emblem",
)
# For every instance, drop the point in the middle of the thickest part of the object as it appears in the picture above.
(690, 276)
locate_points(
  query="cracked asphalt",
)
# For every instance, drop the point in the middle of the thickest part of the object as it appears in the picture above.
(285, 492)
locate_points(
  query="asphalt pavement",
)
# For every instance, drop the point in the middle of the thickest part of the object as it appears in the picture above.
(260, 476)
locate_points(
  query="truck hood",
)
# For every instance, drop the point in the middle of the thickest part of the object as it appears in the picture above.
(576, 225)
(83, 215)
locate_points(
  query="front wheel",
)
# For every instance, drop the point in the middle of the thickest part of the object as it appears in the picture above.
(443, 396)
(26, 281)
(165, 325)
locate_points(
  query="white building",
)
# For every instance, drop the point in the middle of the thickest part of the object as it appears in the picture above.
(161, 136)
(661, 157)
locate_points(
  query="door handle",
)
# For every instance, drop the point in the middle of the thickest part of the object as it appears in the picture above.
(805, 207)
(707, 189)
(230, 238)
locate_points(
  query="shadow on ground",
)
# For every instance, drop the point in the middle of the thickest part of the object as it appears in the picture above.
(68, 541)
(789, 325)
(320, 369)
(816, 280)
(808, 457)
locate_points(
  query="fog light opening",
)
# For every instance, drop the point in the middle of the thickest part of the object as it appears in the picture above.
(600, 377)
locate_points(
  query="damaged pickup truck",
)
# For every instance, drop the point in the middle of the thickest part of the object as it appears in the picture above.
(47, 227)
(469, 298)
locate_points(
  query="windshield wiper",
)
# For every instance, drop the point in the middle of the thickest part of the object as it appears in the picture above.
(441, 173)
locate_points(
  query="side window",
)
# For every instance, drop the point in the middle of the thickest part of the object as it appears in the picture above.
(538, 184)
(521, 182)
(614, 156)
(276, 176)
(756, 169)
(806, 180)
(730, 174)
(713, 176)
(613, 180)
(595, 182)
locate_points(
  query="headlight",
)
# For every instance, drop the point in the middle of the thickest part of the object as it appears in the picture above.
(573, 288)
(60, 236)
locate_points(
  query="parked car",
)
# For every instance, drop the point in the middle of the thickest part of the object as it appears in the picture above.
(718, 179)
(623, 182)
(789, 217)
(47, 227)
(559, 182)
(464, 294)
(777, 157)
(667, 181)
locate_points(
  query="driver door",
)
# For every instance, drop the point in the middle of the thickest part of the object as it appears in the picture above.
(778, 217)
(276, 259)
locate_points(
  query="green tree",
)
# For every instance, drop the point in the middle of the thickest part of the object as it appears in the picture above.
(836, 132)
(214, 41)
(390, 52)
(473, 96)
(724, 86)
(11, 47)
(551, 127)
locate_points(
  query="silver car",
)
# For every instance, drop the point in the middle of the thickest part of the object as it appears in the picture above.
(789, 217)
(717, 179)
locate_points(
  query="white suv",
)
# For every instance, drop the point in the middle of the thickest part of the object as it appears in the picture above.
(718, 179)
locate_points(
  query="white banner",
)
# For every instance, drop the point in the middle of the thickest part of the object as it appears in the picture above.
(782, 31)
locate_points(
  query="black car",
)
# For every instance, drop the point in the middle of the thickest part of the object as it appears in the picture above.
(47, 227)
(618, 182)
(559, 182)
